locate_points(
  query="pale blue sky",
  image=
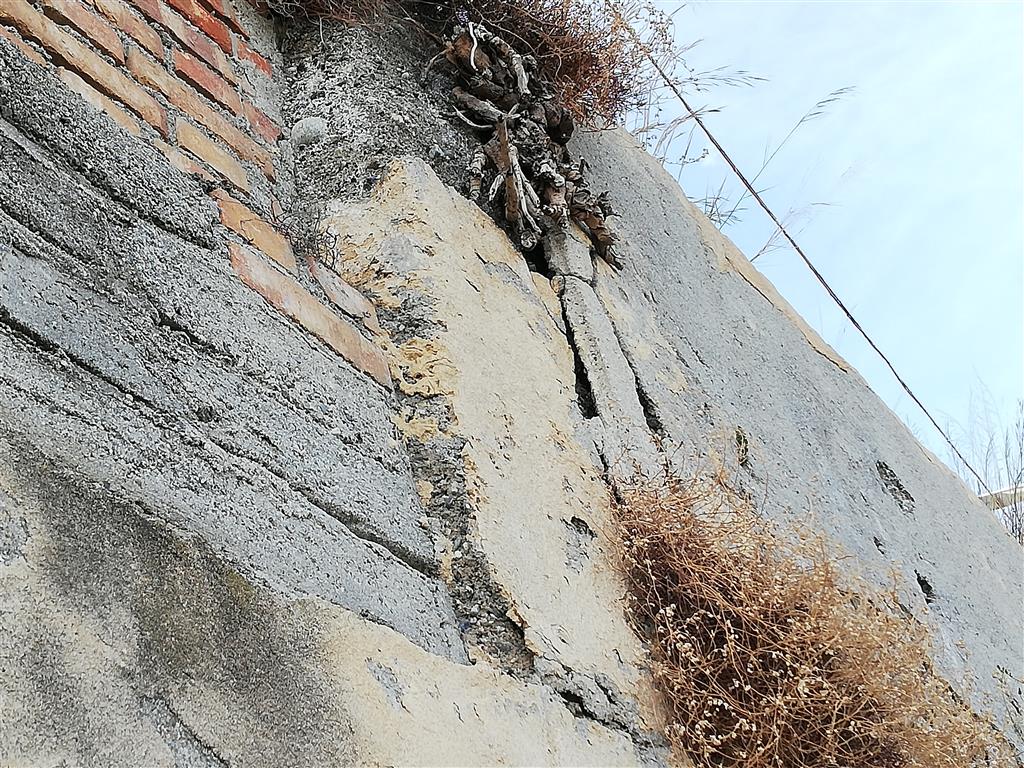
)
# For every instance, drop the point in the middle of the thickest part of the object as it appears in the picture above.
(923, 165)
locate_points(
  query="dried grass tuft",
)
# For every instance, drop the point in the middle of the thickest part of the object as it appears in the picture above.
(768, 657)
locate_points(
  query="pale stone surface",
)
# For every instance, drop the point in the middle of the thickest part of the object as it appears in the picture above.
(409, 707)
(567, 252)
(509, 376)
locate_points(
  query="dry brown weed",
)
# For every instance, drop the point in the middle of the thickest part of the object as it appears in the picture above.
(768, 656)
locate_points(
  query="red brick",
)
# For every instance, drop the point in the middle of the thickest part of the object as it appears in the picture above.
(74, 55)
(207, 81)
(344, 296)
(125, 19)
(24, 47)
(98, 100)
(227, 15)
(195, 41)
(246, 53)
(180, 95)
(247, 223)
(204, 20)
(262, 124)
(183, 162)
(291, 299)
(191, 138)
(73, 14)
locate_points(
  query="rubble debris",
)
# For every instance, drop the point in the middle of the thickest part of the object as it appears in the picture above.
(523, 133)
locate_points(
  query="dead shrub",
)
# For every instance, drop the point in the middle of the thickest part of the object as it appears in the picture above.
(596, 64)
(767, 656)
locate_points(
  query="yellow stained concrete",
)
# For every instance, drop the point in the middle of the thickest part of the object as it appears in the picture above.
(508, 373)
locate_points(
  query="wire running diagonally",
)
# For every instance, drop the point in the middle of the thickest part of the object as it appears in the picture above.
(670, 83)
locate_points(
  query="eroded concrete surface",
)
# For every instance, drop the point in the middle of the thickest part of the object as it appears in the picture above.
(221, 545)
(715, 349)
(489, 385)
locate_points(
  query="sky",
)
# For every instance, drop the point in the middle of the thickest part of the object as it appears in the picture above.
(920, 170)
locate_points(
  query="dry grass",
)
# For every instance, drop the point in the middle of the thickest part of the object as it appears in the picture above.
(768, 656)
(595, 64)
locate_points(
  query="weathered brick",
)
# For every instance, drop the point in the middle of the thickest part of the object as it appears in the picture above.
(247, 223)
(207, 81)
(192, 139)
(227, 15)
(205, 21)
(74, 55)
(98, 100)
(246, 53)
(183, 162)
(73, 14)
(184, 98)
(344, 296)
(291, 299)
(262, 124)
(24, 47)
(195, 41)
(125, 19)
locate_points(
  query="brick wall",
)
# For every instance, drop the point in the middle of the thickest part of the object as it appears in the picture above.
(196, 80)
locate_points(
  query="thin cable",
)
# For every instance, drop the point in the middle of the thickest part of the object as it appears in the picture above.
(750, 188)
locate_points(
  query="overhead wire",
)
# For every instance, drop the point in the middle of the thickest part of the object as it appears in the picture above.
(673, 86)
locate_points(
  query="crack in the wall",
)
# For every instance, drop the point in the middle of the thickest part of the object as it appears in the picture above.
(483, 612)
(654, 423)
(185, 744)
(93, 181)
(894, 487)
(175, 326)
(594, 697)
(355, 526)
(926, 588)
(584, 392)
(37, 339)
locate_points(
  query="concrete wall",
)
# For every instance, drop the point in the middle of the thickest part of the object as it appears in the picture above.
(343, 497)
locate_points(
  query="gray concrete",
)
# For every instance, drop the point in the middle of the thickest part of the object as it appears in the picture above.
(567, 252)
(626, 446)
(360, 88)
(820, 441)
(133, 356)
(124, 642)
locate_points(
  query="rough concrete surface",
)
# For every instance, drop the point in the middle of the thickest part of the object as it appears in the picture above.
(532, 479)
(222, 545)
(213, 548)
(712, 354)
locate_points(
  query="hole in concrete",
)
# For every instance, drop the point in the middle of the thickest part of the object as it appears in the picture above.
(654, 422)
(537, 261)
(926, 588)
(580, 526)
(893, 486)
(878, 544)
(742, 447)
(577, 541)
